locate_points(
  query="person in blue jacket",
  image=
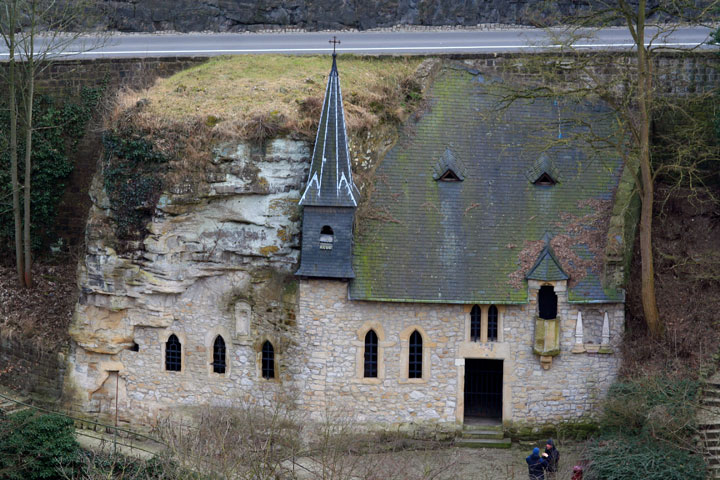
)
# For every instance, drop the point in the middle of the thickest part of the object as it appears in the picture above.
(536, 465)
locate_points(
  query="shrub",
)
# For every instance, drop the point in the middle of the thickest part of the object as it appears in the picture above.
(263, 126)
(647, 426)
(132, 171)
(34, 445)
(654, 406)
(637, 458)
(103, 465)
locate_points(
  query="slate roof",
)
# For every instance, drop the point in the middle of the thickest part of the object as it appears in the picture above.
(462, 242)
(330, 182)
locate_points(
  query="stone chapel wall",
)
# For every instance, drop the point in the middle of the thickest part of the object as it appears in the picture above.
(325, 361)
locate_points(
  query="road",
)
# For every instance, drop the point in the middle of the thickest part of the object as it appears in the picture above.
(373, 42)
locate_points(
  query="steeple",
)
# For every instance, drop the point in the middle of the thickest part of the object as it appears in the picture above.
(330, 182)
(330, 197)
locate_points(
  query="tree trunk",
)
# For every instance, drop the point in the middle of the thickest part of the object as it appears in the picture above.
(26, 188)
(644, 84)
(15, 183)
(30, 65)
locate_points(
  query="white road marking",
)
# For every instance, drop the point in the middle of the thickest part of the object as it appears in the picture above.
(365, 49)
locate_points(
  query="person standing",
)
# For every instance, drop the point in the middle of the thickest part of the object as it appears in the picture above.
(536, 465)
(552, 455)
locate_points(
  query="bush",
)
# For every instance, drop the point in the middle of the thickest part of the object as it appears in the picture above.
(103, 465)
(647, 426)
(34, 445)
(637, 458)
(654, 406)
(132, 170)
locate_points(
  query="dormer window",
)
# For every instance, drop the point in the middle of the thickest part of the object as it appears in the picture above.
(545, 180)
(449, 168)
(449, 176)
(543, 173)
(326, 238)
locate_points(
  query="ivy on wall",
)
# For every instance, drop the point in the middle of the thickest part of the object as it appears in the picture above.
(58, 127)
(132, 177)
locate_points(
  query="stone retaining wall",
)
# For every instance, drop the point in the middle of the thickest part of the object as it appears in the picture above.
(27, 369)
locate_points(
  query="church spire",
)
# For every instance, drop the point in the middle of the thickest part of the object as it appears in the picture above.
(330, 182)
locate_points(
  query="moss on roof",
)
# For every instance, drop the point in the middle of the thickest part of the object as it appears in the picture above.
(474, 241)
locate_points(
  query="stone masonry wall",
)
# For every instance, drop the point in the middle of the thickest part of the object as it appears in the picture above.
(325, 360)
(29, 370)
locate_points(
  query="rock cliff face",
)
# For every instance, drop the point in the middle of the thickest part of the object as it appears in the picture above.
(214, 257)
(240, 15)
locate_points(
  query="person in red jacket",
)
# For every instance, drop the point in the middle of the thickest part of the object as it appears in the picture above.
(577, 473)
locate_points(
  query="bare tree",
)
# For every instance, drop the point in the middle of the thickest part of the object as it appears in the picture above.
(631, 90)
(36, 32)
(8, 25)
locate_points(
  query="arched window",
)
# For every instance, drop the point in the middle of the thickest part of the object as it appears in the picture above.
(268, 360)
(219, 355)
(547, 302)
(416, 355)
(492, 333)
(371, 355)
(326, 238)
(475, 323)
(173, 354)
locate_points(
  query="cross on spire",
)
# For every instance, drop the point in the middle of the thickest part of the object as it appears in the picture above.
(335, 42)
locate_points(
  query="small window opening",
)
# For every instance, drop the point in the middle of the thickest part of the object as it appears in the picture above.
(371, 355)
(492, 324)
(134, 347)
(219, 355)
(547, 302)
(475, 323)
(268, 360)
(173, 351)
(545, 180)
(326, 238)
(415, 360)
(449, 176)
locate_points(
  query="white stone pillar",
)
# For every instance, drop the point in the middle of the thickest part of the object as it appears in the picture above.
(579, 346)
(605, 331)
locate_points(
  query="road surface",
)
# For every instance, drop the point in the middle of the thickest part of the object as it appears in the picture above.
(372, 42)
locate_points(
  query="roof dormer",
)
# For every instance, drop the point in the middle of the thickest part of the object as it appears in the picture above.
(542, 173)
(547, 267)
(449, 168)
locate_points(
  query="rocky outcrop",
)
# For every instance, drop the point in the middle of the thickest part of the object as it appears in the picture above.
(229, 16)
(235, 242)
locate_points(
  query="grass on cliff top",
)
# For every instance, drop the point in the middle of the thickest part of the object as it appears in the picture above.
(258, 96)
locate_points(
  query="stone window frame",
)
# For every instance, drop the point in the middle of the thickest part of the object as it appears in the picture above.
(259, 358)
(427, 347)
(359, 345)
(484, 308)
(210, 337)
(182, 338)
